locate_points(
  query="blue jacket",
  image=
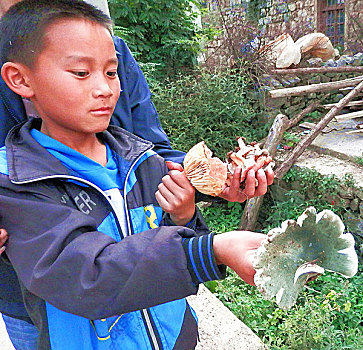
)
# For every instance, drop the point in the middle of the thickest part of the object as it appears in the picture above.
(134, 111)
(126, 287)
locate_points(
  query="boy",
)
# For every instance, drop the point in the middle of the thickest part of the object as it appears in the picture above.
(79, 203)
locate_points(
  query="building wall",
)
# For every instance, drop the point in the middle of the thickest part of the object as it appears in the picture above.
(296, 17)
(354, 25)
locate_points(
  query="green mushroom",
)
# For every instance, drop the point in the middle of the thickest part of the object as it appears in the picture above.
(299, 251)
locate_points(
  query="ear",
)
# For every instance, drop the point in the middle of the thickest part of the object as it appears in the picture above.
(16, 77)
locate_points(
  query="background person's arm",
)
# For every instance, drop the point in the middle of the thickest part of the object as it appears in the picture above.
(135, 111)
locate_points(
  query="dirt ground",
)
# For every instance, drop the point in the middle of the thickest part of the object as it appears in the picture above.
(328, 165)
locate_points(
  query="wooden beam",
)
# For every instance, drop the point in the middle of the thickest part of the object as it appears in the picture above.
(322, 87)
(359, 131)
(350, 104)
(348, 116)
(311, 70)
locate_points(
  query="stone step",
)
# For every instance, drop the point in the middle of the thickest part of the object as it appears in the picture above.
(219, 328)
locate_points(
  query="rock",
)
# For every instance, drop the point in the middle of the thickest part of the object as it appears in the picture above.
(359, 193)
(292, 7)
(354, 204)
(315, 62)
(346, 192)
(344, 61)
(330, 63)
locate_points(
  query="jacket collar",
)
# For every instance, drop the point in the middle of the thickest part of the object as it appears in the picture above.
(28, 160)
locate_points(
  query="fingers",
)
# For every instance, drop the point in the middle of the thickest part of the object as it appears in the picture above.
(269, 176)
(174, 166)
(234, 193)
(176, 196)
(3, 238)
(261, 189)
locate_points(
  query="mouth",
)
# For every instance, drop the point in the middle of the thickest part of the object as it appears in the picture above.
(102, 110)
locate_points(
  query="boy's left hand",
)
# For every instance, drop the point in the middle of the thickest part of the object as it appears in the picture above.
(233, 193)
(176, 195)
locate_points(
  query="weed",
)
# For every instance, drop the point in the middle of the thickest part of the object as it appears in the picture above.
(359, 160)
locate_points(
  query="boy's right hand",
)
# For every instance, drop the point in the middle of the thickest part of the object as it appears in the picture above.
(3, 238)
(176, 195)
(236, 250)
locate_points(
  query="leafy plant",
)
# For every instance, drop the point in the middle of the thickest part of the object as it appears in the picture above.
(359, 160)
(291, 139)
(162, 31)
(208, 107)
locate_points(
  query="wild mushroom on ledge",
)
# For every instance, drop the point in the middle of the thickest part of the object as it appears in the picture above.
(301, 250)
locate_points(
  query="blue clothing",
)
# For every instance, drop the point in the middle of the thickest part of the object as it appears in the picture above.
(134, 112)
(22, 334)
(88, 281)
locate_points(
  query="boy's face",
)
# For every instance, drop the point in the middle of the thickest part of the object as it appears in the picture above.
(74, 80)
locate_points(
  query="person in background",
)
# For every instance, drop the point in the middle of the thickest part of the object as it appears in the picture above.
(83, 199)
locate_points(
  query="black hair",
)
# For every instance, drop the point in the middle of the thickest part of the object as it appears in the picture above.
(24, 25)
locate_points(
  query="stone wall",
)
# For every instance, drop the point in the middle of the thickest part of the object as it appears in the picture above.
(354, 25)
(231, 22)
(300, 17)
(294, 17)
(290, 106)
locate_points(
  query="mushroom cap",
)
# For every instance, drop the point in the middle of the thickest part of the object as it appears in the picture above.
(206, 173)
(300, 250)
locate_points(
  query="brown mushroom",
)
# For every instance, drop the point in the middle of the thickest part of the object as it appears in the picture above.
(209, 175)
(206, 173)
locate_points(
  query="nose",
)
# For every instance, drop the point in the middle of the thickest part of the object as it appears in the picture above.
(102, 87)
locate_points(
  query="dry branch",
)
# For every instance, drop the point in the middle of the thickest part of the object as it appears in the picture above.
(310, 108)
(305, 142)
(311, 70)
(252, 207)
(322, 87)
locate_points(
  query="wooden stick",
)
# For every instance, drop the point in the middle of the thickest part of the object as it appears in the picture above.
(350, 104)
(311, 70)
(306, 141)
(311, 107)
(359, 131)
(303, 90)
(348, 116)
(252, 207)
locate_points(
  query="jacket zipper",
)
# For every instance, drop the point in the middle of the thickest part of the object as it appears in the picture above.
(148, 321)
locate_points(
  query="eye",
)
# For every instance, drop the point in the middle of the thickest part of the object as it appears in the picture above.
(112, 74)
(81, 74)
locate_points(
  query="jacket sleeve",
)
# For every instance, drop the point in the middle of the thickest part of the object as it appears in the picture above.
(60, 256)
(144, 117)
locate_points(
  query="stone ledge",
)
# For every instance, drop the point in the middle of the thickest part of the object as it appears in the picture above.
(219, 328)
